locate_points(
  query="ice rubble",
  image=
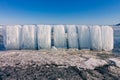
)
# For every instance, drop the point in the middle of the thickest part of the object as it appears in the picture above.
(59, 36)
(107, 38)
(95, 35)
(44, 36)
(28, 37)
(11, 38)
(84, 37)
(72, 36)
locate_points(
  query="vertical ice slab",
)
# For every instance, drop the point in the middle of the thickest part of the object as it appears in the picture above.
(60, 36)
(95, 35)
(44, 36)
(107, 38)
(72, 36)
(2, 36)
(84, 37)
(12, 35)
(28, 37)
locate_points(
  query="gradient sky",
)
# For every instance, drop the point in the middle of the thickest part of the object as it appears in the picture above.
(59, 11)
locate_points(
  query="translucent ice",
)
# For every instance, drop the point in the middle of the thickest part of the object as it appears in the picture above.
(44, 36)
(28, 37)
(59, 36)
(72, 36)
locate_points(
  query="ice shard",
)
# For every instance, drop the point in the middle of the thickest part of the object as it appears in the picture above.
(60, 36)
(44, 36)
(96, 40)
(107, 38)
(84, 37)
(12, 37)
(72, 36)
(28, 37)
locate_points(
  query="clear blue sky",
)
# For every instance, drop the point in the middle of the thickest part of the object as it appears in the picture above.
(59, 11)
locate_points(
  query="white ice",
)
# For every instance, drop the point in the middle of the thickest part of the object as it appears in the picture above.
(84, 37)
(95, 35)
(59, 36)
(44, 36)
(72, 36)
(28, 37)
(11, 38)
(107, 38)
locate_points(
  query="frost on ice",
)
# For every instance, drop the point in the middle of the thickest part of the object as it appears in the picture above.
(107, 38)
(72, 36)
(95, 35)
(12, 35)
(44, 36)
(84, 37)
(28, 37)
(59, 36)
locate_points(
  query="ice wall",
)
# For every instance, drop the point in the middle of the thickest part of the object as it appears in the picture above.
(28, 37)
(44, 36)
(59, 36)
(107, 38)
(11, 38)
(72, 36)
(95, 35)
(84, 37)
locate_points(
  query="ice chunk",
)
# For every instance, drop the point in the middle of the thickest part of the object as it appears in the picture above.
(95, 35)
(59, 36)
(107, 38)
(84, 37)
(72, 36)
(28, 37)
(44, 36)
(12, 35)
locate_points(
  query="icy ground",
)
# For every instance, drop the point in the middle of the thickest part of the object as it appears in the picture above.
(64, 58)
(59, 64)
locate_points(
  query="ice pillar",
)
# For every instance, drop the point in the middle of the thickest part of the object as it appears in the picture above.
(107, 38)
(12, 35)
(28, 37)
(72, 36)
(95, 35)
(60, 36)
(84, 37)
(44, 36)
